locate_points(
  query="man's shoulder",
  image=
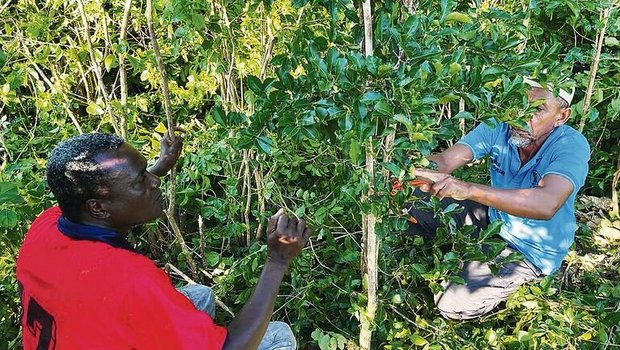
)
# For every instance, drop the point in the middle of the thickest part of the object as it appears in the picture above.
(41, 229)
(571, 138)
(47, 217)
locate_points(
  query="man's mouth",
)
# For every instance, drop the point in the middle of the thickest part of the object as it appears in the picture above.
(521, 133)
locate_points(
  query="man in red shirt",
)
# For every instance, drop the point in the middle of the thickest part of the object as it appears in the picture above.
(84, 287)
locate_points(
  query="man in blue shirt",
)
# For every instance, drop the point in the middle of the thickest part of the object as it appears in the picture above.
(535, 175)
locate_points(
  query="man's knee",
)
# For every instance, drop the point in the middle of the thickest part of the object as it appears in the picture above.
(454, 304)
(278, 336)
(201, 296)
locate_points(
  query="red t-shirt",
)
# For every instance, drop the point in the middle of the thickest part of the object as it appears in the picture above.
(80, 294)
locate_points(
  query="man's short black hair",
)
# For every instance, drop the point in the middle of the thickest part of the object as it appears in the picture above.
(73, 174)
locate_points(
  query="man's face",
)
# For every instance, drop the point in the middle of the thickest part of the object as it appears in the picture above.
(542, 122)
(133, 196)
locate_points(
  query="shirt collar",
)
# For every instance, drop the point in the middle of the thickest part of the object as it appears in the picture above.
(92, 233)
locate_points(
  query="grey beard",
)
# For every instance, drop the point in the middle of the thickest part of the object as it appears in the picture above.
(518, 140)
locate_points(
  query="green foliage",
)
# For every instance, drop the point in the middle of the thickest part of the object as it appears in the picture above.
(282, 110)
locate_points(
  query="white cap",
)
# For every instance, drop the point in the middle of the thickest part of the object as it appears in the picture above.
(565, 95)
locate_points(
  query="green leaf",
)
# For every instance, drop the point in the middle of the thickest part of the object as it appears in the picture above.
(491, 337)
(8, 218)
(417, 339)
(464, 115)
(9, 193)
(457, 279)
(452, 209)
(212, 258)
(358, 60)
(94, 109)
(459, 17)
(332, 57)
(355, 151)
(490, 230)
(593, 115)
(393, 168)
(611, 41)
(384, 108)
(255, 85)
(320, 214)
(218, 114)
(198, 21)
(299, 3)
(405, 120)
(371, 96)
(180, 32)
(161, 128)
(612, 319)
(109, 61)
(264, 143)
(324, 342)
(524, 337)
(345, 123)
(454, 68)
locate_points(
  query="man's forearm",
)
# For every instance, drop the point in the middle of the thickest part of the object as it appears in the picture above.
(527, 203)
(452, 158)
(247, 329)
(158, 169)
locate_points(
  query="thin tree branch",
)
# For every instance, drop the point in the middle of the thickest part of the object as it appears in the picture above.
(123, 68)
(162, 69)
(5, 5)
(370, 241)
(614, 190)
(600, 37)
(96, 67)
(171, 134)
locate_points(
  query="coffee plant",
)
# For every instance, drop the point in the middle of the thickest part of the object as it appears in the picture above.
(320, 107)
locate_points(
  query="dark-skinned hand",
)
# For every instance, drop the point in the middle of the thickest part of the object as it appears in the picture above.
(286, 237)
(169, 152)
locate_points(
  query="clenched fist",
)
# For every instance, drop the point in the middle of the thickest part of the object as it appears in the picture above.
(286, 237)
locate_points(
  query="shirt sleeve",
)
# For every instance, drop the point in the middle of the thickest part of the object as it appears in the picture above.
(570, 160)
(482, 138)
(160, 317)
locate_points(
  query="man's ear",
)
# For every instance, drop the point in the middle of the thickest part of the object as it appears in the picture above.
(96, 209)
(562, 116)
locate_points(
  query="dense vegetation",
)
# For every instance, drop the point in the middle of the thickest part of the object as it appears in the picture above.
(284, 107)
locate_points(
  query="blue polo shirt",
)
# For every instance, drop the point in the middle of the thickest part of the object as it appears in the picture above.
(566, 152)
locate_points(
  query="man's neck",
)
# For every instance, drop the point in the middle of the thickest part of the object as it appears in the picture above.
(88, 220)
(528, 152)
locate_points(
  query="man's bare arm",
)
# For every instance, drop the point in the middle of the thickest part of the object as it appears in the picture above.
(286, 238)
(541, 202)
(452, 158)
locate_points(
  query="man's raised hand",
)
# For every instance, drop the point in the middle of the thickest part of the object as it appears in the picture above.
(169, 152)
(286, 237)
